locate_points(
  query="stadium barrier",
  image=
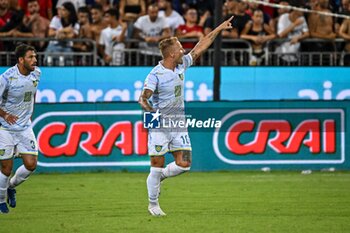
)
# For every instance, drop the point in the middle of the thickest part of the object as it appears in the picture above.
(235, 52)
(312, 52)
(251, 135)
(73, 58)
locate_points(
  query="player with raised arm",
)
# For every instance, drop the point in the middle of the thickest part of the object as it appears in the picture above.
(165, 84)
(18, 86)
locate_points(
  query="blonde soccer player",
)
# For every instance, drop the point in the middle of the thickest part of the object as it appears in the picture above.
(165, 85)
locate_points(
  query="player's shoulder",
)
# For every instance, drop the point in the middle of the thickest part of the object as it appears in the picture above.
(157, 70)
(37, 72)
(10, 72)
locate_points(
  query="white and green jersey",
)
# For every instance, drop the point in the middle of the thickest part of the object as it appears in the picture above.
(168, 86)
(17, 93)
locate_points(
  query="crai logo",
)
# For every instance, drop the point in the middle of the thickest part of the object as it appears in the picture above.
(281, 136)
(91, 138)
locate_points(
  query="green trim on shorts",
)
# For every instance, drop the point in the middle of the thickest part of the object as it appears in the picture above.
(7, 159)
(185, 148)
(29, 153)
(159, 154)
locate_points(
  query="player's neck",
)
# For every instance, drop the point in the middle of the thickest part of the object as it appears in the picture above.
(169, 64)
(23, 70)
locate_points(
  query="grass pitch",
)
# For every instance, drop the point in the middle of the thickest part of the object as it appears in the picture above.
(194, 202)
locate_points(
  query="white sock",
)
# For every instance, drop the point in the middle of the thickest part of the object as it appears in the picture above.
(3, 186)
(20, 176)
(153, 184)
(173, 170)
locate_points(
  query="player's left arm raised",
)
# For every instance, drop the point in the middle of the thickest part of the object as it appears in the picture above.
(206, 41)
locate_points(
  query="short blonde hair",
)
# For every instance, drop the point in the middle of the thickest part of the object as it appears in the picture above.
(165, 45)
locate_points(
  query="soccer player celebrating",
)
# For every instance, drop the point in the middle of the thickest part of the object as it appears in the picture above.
(165, 84)
(18, 86)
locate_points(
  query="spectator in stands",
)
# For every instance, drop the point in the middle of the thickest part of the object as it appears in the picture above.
(151, 29)
(227, 11)
(45, 7)
(293, 27)
(344, 32)
(130, 10)
(280, 11)
(105, 4)
(259, 33)
(112, 3)
(322, 27)
(241, 18)
(191, 29)
(9, 21)
(202, 6)
(84, 30)
(112, 39)
(343, 10)
(252, 6)
(34, 25)
(173, 18)
(98, 24)
(77, 3)
(62, 27)
(13, 4)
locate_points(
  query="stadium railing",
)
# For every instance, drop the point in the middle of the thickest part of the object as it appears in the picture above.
(233, 52)
(237, 52)
(309, 54)
(90, 58)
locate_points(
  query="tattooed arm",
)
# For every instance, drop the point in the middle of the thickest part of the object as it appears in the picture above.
(206, 41)
(143, 100)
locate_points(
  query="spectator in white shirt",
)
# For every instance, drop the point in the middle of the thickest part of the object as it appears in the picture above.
(151, 29)
(293, 27)
(173, 18)
(111, 42)
(62, 27)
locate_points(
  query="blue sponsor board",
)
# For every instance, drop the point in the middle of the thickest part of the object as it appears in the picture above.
(98, 84)
(274, 83)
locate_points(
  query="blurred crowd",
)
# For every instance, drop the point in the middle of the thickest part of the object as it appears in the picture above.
(112, 24)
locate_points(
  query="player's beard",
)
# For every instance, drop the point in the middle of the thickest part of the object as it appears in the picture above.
(29, 67)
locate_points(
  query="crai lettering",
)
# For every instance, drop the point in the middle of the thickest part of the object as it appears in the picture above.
(310, 133)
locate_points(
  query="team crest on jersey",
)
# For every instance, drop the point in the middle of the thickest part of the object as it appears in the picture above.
(35, 83)
(181, 76)
(13, 78)
(158, 148)
(2, 152)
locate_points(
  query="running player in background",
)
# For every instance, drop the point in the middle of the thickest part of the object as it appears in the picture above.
(165, 84)
(18, 86)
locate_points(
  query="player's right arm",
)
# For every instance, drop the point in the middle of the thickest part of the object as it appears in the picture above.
(144, 100)
(149, 87)
(206, 41)
(9, 118)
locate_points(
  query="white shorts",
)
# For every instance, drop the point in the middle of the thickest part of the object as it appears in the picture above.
(17, 142)
(160, 143)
